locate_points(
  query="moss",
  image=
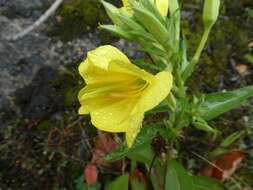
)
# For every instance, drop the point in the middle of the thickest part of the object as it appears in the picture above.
(77, 17)
(227, 41)
(45, 125)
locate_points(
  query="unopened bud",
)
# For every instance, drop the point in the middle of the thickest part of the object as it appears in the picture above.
(211, 12)
(162, 6)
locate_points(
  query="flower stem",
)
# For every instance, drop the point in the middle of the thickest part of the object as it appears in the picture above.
(190, 68)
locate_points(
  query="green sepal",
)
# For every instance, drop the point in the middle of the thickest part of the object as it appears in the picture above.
(201, 124)
(153, 25)
(112, 12)
(117, 31)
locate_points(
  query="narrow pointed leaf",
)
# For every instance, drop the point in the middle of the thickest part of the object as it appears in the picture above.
(112, 12)
(153, 25)
(177, 178)
(145, 137)
(116, 30)
(206, 183)
(120, 182)
(216, 104)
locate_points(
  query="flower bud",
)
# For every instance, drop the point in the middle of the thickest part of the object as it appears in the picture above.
(162, 6)
(211, 12)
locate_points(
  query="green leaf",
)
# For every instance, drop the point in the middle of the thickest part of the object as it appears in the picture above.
(249, 58)
(146, 65)
(153, 25)
(144, 155)
(162, 107)
(143, 139)
(130, 23)
(250, 12)
(201, 124)
(177, 178)
(112, 12)
(80, 185)
(158, 180)
(120, 182)
(116, 30)
(206, 183)
(137, 185)
(150, 5)
(232, 138)
(216, 104)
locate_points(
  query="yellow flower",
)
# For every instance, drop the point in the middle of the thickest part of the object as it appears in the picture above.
(162, 6)
(118, 93)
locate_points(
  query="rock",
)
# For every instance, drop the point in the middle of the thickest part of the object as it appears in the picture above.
(39, 99)
(22, 8)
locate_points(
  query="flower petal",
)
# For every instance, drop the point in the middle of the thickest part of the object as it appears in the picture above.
(158, 90)
(92, 74)
(134, 126)
(107, 63)
(104, 55)
(113, 117)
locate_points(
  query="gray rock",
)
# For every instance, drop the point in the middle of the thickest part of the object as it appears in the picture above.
(22, 8)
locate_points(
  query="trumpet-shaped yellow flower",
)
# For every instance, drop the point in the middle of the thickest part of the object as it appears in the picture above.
(162, 6)
(118, 93)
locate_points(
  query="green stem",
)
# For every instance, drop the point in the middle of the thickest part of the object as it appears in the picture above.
(202, 43)
(190, 68)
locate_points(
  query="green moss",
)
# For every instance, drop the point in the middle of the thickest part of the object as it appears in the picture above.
(228, 40)
(45, 125)
(77, 17)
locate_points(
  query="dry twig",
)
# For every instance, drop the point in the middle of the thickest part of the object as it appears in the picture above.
(38, 22)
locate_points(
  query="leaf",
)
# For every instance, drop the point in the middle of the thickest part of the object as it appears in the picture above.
(250, 12)
(224, 166)
(80, 185)
(120, 182)
(117, 31)
(144, 155)
(136, 185)
(153, 25)
(232, 138)
(201, 124)
(249, 57)
(162, 107)
(216, 104)
(134, 26)
(177, 178)
(138, 181)
(144, 137)
(145, 65)
(206, 183)
(112, 12)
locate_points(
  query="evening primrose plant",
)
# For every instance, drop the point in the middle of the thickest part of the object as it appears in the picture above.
(122, 94)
